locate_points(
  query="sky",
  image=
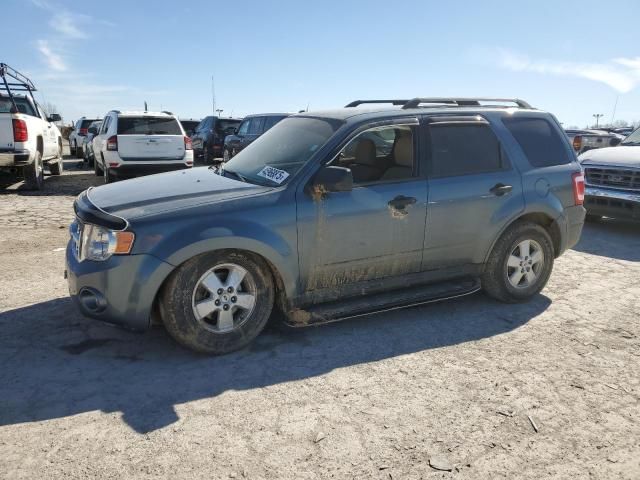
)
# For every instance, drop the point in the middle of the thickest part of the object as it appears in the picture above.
(571, 58)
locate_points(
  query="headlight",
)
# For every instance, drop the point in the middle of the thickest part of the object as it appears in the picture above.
(99, 243)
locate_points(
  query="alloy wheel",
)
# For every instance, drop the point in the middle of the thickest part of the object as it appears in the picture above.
(525, 264)
(224, 298)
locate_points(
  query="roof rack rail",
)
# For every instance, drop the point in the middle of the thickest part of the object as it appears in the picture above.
(20, 83)
(355, 103)
(462, 102)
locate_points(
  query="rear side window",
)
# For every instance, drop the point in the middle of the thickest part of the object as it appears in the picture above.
(539, 140)
(86, 123)
(464, 150)
(148, 126)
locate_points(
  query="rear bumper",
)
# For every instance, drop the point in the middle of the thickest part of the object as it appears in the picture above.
(127, 170)
(16, 158)
(612, 203)
(571, 223)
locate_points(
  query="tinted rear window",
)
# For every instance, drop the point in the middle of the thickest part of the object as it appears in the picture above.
(23, 106)
(148, 126)
(224, 125)
(86, 123)
(539, 140)
(464, 150)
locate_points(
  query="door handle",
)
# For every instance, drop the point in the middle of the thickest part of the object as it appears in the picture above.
(500, 189)
(401, 202)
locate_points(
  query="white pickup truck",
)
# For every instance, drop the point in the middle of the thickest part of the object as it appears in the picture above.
(29, 139)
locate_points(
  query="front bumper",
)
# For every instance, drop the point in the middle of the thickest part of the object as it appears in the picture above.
(120, 290)
(16, 158)
(613, 203)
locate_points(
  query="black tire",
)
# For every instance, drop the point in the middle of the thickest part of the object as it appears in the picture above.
(56, 168)
(34, 174)
(226, 155)
(107, 176)
(96, 168)
(207, 156)
(177, 309)
(495, 279)
(79, 151)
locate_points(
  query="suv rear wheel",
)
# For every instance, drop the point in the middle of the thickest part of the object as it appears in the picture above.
(520, 264)
(217, 302)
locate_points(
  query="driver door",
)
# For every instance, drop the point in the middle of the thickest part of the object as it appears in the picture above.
(376, 230)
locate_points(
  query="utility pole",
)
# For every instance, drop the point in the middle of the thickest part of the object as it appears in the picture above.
(597, 117)
(213, 96)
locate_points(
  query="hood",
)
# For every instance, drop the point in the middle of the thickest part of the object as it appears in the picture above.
(616, 156)
(153, 194)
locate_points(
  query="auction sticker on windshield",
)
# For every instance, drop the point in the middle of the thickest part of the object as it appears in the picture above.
(273, 174)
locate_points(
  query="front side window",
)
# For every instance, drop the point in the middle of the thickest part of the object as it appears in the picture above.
(380, 154)
(278, 154)
(244, 128)
(226, 126)
(255, 127)
(457, 149)
(148, 126)
(541, 143)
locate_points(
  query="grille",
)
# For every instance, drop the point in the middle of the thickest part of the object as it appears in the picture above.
(624, 179)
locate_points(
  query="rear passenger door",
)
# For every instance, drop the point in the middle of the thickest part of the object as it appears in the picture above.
(474, 190)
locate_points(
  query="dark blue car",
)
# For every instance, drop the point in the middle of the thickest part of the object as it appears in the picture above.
(316, 221)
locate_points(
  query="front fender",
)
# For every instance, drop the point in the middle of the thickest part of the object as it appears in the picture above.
(177, 244)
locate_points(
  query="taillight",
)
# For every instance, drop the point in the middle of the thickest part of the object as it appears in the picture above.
(83, 131)
(187, 143)
(20, 133)
(112, 143)
(577, 143)
(578, 188)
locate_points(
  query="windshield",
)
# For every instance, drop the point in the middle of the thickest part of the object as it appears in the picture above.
(633, 139)
(278, 154)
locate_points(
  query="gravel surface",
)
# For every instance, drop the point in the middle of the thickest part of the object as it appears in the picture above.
(464, 389)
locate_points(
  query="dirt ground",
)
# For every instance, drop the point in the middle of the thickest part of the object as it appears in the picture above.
(547, 389)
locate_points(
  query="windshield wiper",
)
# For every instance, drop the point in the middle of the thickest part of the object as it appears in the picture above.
(630, 143)
(235, 174)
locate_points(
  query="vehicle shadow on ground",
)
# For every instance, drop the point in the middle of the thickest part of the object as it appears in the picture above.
(56, 363)
(611, 238)
(54, 185)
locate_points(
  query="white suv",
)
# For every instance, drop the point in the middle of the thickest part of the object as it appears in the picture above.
(130, 144)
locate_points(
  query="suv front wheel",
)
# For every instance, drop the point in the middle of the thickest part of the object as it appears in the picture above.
(520, 264)
(217, 302)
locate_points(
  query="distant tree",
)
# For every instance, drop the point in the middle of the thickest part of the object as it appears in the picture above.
(50, 108)
(620, 124)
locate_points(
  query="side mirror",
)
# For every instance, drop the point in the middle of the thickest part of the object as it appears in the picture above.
(54, 117)
(333, 179)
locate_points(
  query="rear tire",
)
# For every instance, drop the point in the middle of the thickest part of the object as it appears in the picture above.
(516, 272)
(96, 168)
(34, 174)
(107, 176)
(207, 155)
(56, 168)
(79, 151)
(217, 332)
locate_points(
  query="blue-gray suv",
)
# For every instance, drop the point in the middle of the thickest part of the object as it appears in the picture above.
(315, 221)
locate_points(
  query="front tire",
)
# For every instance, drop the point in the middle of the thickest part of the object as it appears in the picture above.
(34, 173)
(520, 263)
(79, 151)
(217, 302)
(56, 168)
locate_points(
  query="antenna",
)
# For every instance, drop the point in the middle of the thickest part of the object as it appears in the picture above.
(145, 106)
(615, 106)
